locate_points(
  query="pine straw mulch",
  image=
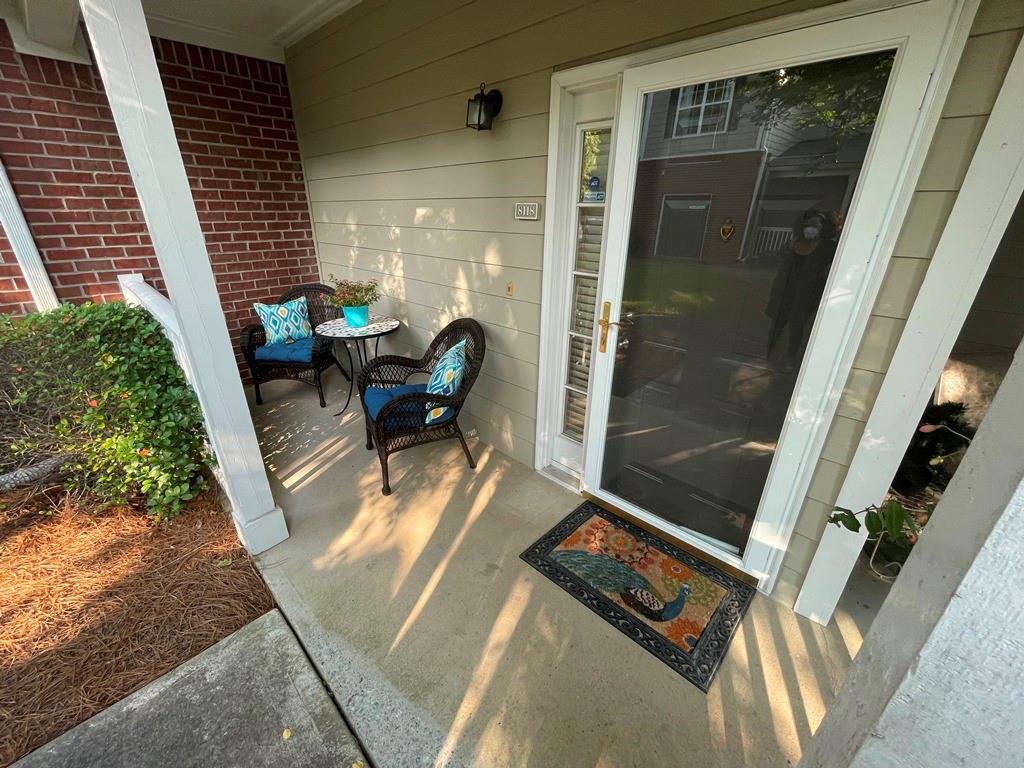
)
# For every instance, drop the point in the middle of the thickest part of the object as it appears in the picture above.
(94, 605)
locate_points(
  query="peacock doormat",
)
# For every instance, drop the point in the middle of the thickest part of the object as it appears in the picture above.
(681, 609)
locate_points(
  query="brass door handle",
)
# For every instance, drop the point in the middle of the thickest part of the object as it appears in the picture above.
(604, 324)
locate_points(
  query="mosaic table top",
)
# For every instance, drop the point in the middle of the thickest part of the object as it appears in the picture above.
(340, 329)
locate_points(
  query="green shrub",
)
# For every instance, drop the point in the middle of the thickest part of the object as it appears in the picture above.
(98, 384)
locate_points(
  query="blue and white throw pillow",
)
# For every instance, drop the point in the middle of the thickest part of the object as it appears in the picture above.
(446, 378)
(285, 322)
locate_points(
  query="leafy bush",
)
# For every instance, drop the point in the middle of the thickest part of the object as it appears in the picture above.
(354, 293)
(98, 384)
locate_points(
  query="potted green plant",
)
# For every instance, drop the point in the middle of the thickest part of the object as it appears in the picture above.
(927, 467)
(892, 527)
(354, 297)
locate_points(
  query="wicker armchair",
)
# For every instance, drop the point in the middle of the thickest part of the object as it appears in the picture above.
(400, 421)
(253, 337)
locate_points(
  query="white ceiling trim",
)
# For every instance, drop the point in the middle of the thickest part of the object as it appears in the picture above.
(271, 48)
(214, 37)
(314, 17)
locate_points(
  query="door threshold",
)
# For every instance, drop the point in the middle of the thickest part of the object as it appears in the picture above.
(732, 570)
(561, 477)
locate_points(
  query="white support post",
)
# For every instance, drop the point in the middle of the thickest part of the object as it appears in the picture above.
(938, 681)
(24, 247)
(989, 195)
(124, 55)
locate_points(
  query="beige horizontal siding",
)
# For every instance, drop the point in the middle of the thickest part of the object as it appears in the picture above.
(452, 218)
(900, 286)
(482, 278)
(490, 250)
(994, 37)
(524, 96)
(859, 394)
(403, 193)
(562, 31)
(518, 137)
(919, 235)
(439, 44)
(496, 178)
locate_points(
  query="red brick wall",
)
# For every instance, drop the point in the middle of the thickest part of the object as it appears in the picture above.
(14, 296)
(234, 125)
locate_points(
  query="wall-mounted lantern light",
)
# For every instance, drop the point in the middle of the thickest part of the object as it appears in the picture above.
(482, 109)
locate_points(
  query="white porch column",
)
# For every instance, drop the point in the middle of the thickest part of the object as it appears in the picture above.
(987, 199)
(939, 680)
(124, 56)
(25, 252)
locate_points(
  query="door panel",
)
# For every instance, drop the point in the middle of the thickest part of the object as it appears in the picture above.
(741, 189)
(591, 162)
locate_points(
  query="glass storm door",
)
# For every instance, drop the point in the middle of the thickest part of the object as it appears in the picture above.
(733, 200)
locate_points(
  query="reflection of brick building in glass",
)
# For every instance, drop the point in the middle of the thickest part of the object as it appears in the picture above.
(686, 201)
(705, 165)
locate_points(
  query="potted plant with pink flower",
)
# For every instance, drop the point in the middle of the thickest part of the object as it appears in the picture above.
(354, 298)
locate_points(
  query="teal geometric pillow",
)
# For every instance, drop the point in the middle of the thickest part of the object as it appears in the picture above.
(446, 378)
(285, 322)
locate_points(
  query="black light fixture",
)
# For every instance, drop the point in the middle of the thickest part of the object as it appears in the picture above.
(482, 109)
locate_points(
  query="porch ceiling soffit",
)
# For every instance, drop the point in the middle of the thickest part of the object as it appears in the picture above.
(263, 29)
(259, 29)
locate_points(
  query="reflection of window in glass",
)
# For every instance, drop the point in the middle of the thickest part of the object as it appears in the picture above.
(681, 227)
(704, 108)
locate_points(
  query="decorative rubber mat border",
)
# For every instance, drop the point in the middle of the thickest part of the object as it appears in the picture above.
(699, 665)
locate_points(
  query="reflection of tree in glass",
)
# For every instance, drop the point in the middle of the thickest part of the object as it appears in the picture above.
(843, 95)
(591, 151)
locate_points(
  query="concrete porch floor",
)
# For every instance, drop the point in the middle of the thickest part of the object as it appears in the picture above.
(443, 648)
(250, 700)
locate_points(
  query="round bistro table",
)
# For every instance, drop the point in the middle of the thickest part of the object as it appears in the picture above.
(340, 330)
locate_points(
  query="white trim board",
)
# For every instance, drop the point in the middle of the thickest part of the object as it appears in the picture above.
(950, 23)
(990, 192)
(24, 247)
(599, 73)
(311, 19)
(185, 31)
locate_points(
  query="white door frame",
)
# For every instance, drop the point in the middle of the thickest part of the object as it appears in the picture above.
(991, 190)
(556, 277)
(934, 31)
(564, 453)
(565, 86)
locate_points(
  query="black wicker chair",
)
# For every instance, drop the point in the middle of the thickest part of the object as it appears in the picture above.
(400, 422)
(253, 337)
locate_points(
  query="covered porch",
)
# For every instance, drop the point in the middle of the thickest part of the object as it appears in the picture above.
(439, 644)
(444, 648)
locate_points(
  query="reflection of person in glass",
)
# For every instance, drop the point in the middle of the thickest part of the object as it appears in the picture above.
(800, 281)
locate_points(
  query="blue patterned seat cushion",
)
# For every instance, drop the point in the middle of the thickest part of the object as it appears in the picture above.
(285, 322)
(376, 397)
(300, 351)
(446, 378)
